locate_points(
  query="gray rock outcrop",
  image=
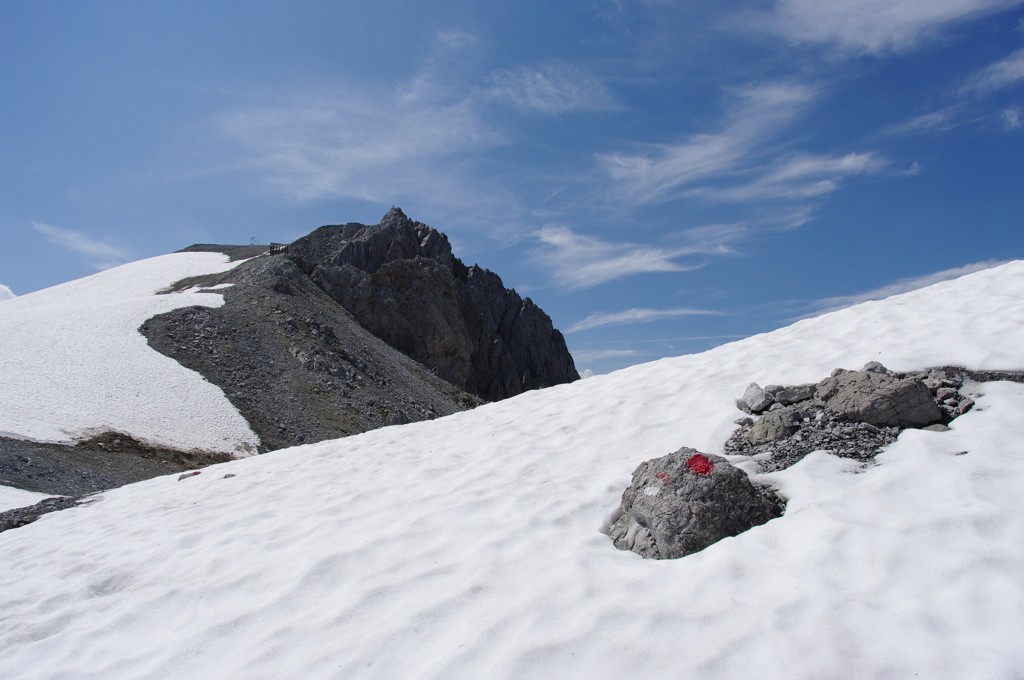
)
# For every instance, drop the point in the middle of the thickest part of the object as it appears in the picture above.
(400, 280)
(298, 366)
(683, 502)
(852, 414)
(879, 399)
(356, 327)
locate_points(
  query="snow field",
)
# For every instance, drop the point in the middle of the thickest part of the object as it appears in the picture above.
(11, 498)
(73, 364)
(470, 546)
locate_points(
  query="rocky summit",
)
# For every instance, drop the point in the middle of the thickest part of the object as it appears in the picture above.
(355, 327)
(400, 280)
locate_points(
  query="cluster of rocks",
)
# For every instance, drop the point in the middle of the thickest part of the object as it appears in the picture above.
(853, 414)
(683, 502)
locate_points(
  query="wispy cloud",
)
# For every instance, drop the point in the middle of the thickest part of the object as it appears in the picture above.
(359, 146)
(578, 261)
(661, 172)
(99, 254)
(418, 144)
(550, 89)
(901, 286)
(801, 176)
(587, 356)
(1002, 74)
(6, 293)
(632, 316)
(870, 26)
(421, 143)
(942, 120)
(970, 96)
(1011, 117)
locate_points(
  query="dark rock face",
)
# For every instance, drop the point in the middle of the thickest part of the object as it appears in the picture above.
(400, 280)
(683, 502)
(294, 363)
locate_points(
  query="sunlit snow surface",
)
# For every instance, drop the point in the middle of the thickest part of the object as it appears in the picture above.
(17, 498)
(470, 546)
(73, 364)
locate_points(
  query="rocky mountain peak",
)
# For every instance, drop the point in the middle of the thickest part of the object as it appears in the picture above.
(369, 247)
(400, 280)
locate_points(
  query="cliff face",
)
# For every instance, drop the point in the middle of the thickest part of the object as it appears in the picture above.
(401, 282)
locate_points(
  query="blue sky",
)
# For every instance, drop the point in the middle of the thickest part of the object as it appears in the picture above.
(661, 177)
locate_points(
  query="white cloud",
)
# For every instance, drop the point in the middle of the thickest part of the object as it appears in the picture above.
(1011, 117)
(659, 174)
(802, 176)
(589, 355)
(870, 26)
(579, 261)
(942, 120)
(631, 316)
(6, 293)
(551, 89)
(998, 76)
(418, 144)
(99, 254)
(901, 286)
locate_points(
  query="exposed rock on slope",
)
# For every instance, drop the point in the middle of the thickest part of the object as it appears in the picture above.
(683, 502)
(853, 414)
(297, 366)
(305, 343)
(401, 282)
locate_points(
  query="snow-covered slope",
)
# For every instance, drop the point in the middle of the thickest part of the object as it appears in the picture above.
(470, 546)
(73, 364)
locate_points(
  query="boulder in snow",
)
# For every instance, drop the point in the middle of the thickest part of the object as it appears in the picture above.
(683, 502)
(879, 399)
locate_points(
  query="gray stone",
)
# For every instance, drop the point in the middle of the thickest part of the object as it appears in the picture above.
(670, 511)
(937, 427)
(795, 394)
(775, 425)
(756, 398)
(875, 367)
(879, 399)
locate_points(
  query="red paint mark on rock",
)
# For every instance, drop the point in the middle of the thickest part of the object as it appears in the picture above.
(663, 476)
(700, 464)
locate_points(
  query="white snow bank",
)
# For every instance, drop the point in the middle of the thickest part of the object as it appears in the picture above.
(11, 498)
(469, 546)
(73, 364)
(6, 293)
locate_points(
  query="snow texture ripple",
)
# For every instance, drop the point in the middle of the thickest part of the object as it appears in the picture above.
(471, 546)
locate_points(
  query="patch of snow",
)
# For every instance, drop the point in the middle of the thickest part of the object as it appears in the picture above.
(11, 498)
(6, 293)
(73, 364)
(471, 547)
